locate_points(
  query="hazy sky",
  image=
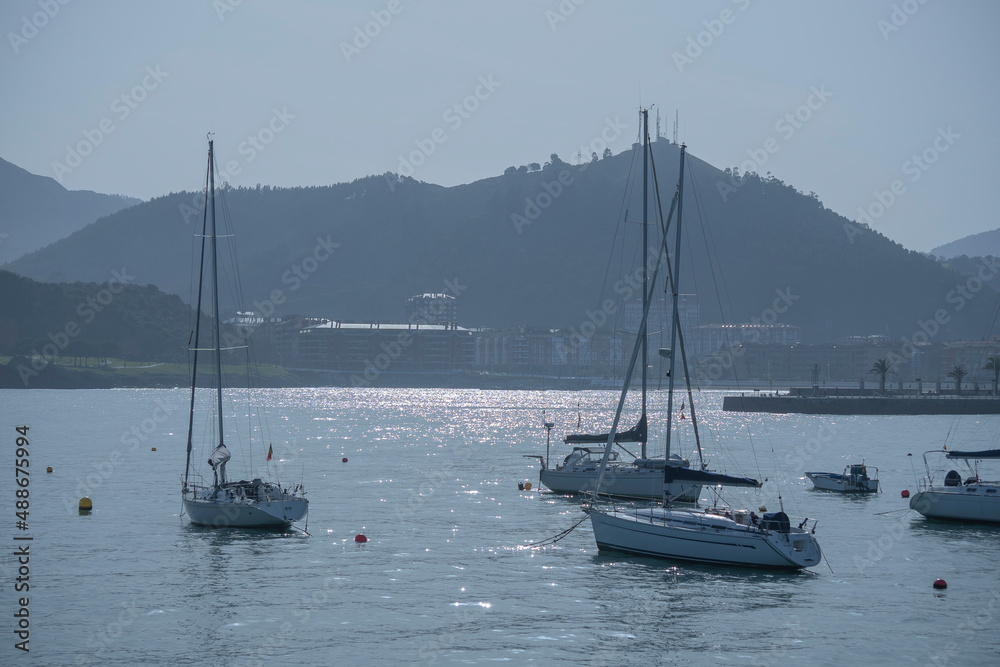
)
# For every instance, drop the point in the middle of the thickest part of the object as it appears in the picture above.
(832, 97)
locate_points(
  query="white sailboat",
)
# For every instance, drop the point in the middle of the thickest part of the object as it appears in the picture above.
(638, 477)
(972, 499)
(706, 535)
(224, 503)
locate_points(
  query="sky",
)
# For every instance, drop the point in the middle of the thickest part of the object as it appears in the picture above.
(885, 109)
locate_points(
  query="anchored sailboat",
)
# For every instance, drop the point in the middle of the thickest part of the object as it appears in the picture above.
(642, 476)
(972, 499)
(708, 535)
(246, 504)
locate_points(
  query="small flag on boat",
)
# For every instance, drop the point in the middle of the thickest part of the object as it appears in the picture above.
(269, 452)
(682, 406)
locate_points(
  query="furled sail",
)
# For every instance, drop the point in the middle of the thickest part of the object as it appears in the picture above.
(676, 474)
(982, 454)
(635, 434)
(218, 462)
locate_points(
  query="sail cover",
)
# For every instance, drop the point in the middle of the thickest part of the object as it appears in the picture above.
(635, 434)
(218, 462)
(982, 454)
(675, 474)
(219, 456)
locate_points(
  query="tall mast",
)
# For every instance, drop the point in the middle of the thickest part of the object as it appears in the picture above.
(645, 256)
(215, 287)
(197, 323)
(675, 320)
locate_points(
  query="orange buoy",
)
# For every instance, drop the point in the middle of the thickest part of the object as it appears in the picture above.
(49, 469)
(343, 460)
(940, 583)
(527, 486)
(905, 493)
(359, 538)
(152, 449)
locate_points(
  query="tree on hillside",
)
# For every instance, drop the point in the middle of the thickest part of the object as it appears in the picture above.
(534, 166)
(881, 368)
(607, 153)
(993, 364)
(958, 373)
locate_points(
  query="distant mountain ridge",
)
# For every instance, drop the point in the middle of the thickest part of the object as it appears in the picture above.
(36, 210)
(533, 247)
(975, 245)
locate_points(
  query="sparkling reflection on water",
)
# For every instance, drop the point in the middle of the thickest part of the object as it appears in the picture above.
(431, 480)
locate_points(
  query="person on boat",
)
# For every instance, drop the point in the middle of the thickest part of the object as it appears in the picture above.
(754, 520)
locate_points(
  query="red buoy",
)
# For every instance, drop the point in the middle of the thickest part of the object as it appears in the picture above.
(344, 460)
(940, 583)
(362, 539)
(905, 493)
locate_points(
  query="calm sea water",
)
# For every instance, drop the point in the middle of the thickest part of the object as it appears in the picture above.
(431, 480)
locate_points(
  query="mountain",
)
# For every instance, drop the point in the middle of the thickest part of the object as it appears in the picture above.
(543, 247)
(114, 318)
(975, 245)
(36, 211)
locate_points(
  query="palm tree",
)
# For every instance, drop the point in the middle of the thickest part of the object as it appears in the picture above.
(881, 368)
(993, 364)
(958, 373)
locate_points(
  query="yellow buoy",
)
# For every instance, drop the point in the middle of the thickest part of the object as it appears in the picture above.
(85, 505)
(153, 449)
(49, 469)
(527, 486)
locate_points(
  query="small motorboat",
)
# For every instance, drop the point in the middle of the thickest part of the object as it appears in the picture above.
(855, 479)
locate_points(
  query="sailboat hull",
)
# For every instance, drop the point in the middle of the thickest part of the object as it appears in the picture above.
(700, 536)
(243, 505)
(620, 481)
(217, 514)
(976, 502)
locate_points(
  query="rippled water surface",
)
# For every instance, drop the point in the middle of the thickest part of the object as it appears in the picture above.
(431, 480)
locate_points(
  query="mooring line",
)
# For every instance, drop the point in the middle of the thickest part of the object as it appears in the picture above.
(552, 540)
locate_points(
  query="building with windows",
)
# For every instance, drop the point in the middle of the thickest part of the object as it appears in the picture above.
(432, 309)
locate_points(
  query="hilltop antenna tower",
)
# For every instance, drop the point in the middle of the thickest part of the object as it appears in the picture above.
(657, 124)
(676, 122)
